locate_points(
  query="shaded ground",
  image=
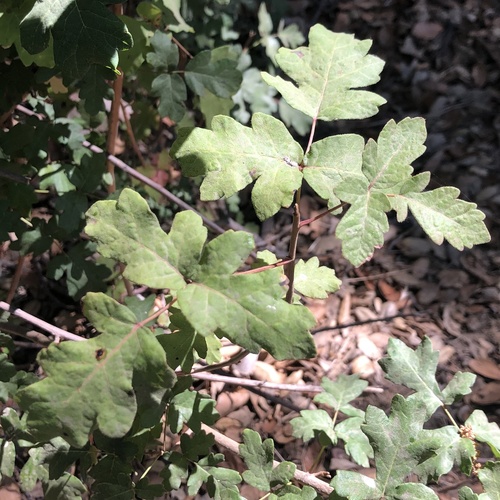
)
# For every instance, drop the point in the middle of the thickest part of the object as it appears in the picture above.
(443, 63)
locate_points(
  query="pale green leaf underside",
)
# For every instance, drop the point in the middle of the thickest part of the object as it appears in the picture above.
(443, 216)
(231, 156)
(128, 231)
(246, 308)
(97, 382)
(315, 281)
(386, 183)
(331, 161)
(326, 72)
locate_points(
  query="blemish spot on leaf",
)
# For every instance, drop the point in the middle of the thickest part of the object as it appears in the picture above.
(100, 354)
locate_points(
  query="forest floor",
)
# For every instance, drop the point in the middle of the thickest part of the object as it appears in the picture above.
(442, 63)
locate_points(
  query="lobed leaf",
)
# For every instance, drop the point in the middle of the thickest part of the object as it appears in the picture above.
(214, 70)
(97, 383)
(86, 35)
(231, 156)
(258, 457)
(442, 216)
(485, 431)
(331, 161)
(417, 370)
(315, 281)
(311, 423)
(246, 308)
(340, 392)
(326, 72)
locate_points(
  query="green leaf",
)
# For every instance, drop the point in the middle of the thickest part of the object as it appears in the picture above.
(174, 8)
(442, 216)
(291, 492)
(246, 308)
(489, 475)
(121, 366)
(231, 156)
(355, 486)
(362, 228)
(82, 274)
(191, 408)
(258, 457)
(331, 161)
(326, 72)
(356, 443)
(312, 423)
(127, 230)
(390, 438)
(315, 281)
(221, 483)
(197, 445)
(290, 35)
(7, 458)
(85, 33)
(438, 450)
(215, 71)
(165, 55)
(172, 93)
(94, 88)
(340, 392)
(265, 22)
(416, 369)
(484, 431)
(385, 168)
(170, 88)
(211, 106)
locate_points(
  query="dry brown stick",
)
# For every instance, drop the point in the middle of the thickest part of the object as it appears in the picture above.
(16, 278)
(244, 382)
(146, 180)
(53, 330)
(133, 173)
(131, 135)
(114, 115)
(302, 477)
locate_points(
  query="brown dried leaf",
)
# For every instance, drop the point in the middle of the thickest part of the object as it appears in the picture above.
(485, 367)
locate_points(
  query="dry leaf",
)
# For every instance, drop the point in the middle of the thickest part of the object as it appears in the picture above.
(485, 367)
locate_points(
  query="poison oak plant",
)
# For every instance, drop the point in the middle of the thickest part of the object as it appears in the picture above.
(97, 419)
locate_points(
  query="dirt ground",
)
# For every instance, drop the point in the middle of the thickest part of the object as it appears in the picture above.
(442, 63)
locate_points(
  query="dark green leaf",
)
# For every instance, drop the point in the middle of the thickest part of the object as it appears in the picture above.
(89, 381)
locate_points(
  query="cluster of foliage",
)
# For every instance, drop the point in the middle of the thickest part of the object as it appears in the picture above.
(98, 417)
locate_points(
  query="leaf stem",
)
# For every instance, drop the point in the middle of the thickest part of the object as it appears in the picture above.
(292, 251)
(448, 414)
(114, 116)
(302, 477)
(311, 135)
(53, 330)
(265, 268)
(305, 222)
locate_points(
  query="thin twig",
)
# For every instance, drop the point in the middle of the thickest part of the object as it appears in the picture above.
(217, 366)
(146, 180)
(305, 222)
(294, 238)
(131, 135)
(16, 278)
(53, 330)
(302, 477)
(365, 322)
(244, 382)
(133, 173)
